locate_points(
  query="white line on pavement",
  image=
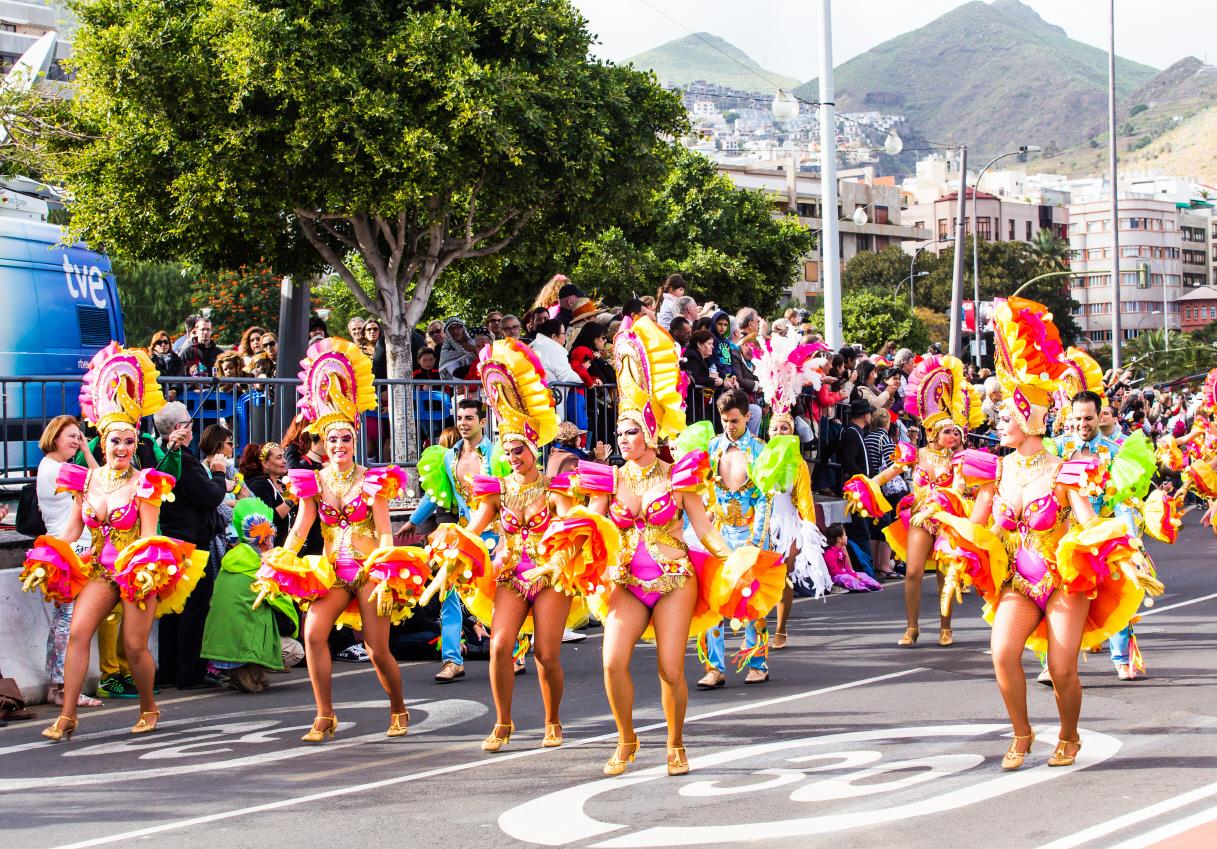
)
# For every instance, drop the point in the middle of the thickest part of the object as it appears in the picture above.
(419, 776)
(1171, 829)
(1103, 829)
(1151, 611)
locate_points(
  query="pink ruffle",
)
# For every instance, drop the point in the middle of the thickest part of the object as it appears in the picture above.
(977, 466)
(71, 478)
(596, 477)
(303, 483)
(1088, 475)
(154, 487)
(904, 453)
(690, 471)
(386, 482)
(55, 568)
(864, 498)
(484, 485)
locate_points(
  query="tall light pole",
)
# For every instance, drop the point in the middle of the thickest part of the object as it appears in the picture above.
(975, 249)
(909, 280)
(957, 277)
(829, 240)
(912, 271)
(1113, 178)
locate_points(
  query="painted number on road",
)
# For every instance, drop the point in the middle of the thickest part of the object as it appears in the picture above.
(856, 771)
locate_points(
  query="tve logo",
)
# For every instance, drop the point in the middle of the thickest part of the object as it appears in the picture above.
(85, 281)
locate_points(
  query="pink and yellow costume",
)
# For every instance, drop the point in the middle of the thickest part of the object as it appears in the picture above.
(335, 388)
(118, 390)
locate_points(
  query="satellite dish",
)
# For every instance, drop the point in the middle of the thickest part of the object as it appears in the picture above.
(33, 64)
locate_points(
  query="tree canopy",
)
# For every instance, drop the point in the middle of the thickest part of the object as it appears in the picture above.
(409, 134)
(872, 318)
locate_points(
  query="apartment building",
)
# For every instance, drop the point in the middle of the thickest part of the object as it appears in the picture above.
(1151, 235)
(21, 24)
(997, 218)
(881, 202)
(1198, 308)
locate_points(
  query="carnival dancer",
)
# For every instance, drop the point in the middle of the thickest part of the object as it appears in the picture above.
(1194, 456)
(128, 562)
(361, 580)
(446, 476)
(656, 590)
(740, 512)
(783, 369)
(941, 398)
(549, 551)
(1074, 578)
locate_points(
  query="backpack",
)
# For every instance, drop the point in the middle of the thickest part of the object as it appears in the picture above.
(29, 517)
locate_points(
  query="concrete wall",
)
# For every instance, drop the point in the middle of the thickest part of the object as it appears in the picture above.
(25, 621)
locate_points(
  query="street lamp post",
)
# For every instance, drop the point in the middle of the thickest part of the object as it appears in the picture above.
(909, 280)
(956, 341)
(975, 232)
(1113, 178)
(831, 269)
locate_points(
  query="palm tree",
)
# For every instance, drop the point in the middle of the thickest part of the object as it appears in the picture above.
(1050, 251)
(1149, 352)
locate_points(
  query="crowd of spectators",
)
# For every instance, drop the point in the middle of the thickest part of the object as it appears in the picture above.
(848, 424)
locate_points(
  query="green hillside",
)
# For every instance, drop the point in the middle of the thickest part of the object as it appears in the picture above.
(692, 58)
(989, 75)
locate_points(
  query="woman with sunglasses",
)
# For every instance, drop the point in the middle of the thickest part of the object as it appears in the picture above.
(168, 363)
(250, 345)
(374, 347)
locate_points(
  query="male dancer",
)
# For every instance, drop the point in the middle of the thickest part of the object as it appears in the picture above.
(470, 455)
(1089, 416)
(740, 512)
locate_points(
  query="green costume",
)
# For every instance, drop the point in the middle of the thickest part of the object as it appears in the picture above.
(235, 632)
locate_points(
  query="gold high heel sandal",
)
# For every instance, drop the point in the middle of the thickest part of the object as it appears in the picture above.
(494, 742)
(678, 763)
(144, 726)
(553, 735)
(945, 637)
(779, 641)
(1013, 758)
(621, 758)
(396, 728)
(61, 729)
(316, 735)
(1059, 756)
(910, 637)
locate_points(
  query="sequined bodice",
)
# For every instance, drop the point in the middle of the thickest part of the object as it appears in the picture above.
(659, 510)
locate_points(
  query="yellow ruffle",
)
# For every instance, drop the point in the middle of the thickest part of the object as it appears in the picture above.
(514, 382)
(648, 372)
(193, 568)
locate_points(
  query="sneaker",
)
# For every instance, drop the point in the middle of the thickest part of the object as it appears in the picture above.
(711, 680)
(353, 654)
(117, 687)
(1123, 672)
(757, 676)
(569, 636)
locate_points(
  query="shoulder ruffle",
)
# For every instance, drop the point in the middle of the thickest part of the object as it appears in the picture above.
(303, 483)
(384, 482)
(978, 467)
(154, 487)
(690, 472)
(1087, 475)
(433, 477)
(71, 478)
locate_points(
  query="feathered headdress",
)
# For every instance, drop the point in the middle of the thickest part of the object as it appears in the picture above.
(1208, 393)
(1030, 359)
(783, 369)
(650, 385)
(119, 388)
(254, 523)
(514, 381)
(939, 395)
(335, 385)
(1081, 374)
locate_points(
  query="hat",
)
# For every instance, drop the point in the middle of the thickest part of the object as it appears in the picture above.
(568, 431)
(584, 309)
(860, 407)
(570, 289)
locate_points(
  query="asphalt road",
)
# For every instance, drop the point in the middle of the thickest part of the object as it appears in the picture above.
(853, 743)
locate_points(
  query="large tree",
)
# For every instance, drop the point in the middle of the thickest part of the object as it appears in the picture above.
(409, 134)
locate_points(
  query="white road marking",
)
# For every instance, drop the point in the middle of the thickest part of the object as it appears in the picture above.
(1171, 829)
(558, 819)
(446, 770)
(1151, 611)
(1103, 829)
(217, 736)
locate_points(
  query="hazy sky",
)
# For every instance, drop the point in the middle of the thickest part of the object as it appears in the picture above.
(783, 35)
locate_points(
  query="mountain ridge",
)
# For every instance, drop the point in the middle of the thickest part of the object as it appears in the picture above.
(705, 56)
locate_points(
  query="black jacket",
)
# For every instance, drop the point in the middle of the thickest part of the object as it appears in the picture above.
(261, 487)
(191, 516)
(851, 452)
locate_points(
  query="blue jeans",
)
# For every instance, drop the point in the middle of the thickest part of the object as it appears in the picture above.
(1118, 645)
(716, 648)
(451, 619)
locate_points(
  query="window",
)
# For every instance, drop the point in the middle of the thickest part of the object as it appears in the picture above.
(881, 214)
(920, 225)
(942, 230)
(982, 229)
(1187, 313)
(1028, 231)
(1096, 226)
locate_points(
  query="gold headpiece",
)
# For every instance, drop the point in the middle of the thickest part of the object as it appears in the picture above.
(335, 385)
(1029, 360)
(650, 385)
(514, 381)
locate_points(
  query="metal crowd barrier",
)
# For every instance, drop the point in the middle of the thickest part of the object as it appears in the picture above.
(252, 409)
